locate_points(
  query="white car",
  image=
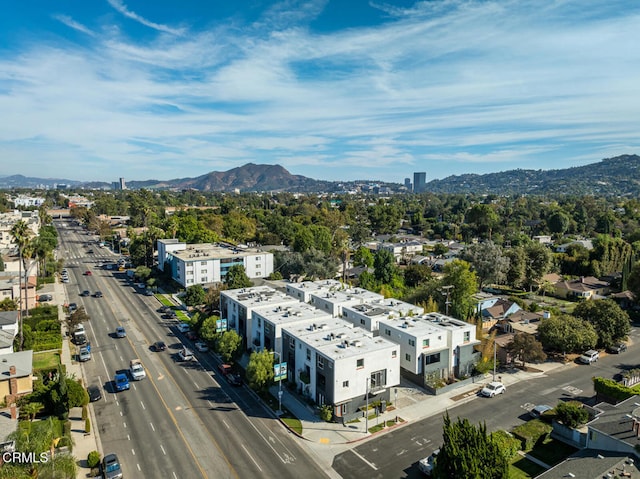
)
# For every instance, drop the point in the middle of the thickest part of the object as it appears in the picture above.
(201, 346)
(426, 465)
(184, 328)
(185, 355)
(493, 389)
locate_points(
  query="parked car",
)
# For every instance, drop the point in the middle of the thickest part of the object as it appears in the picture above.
(185, 355)
(94, 393)
(192, 335)
(234, 379)
(72, 307)
(121, 332)
(426, 465)
(539, 410)
(201, 346)
(617, 348)
(85, 293)
(45, 297)
(84, 354)
(589, 357)
(184, 327)
(159, 346)
(111, 467)
(493, 389)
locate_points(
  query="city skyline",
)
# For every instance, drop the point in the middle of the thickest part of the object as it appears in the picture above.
(328, 90)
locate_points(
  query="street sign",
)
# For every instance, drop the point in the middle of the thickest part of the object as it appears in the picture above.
(221, 325)
(279, 371)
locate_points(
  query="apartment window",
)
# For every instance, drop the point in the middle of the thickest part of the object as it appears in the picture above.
(379, 379)
(394, 353)
(190, 281)
(203, 263)
(259, 322)
(320, 362)
(205, 279)
(203, 271)
(467, 336)
(362, 321)
(308, 354)
(412, 342)
(425, 343)
(292, 343)
(258, 266)
(407, 357)
(387, 332)
(345, 384)
(258, 273)
(360, 363)
(432, 358)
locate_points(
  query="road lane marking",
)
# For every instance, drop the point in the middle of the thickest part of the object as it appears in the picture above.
(121, 415)
(142, 404)
(152, 428)
(370, 464)
(225, 423)
(128, 437)
(251, 457)
(163, 451)
(138, 466)
(125, 424)
(196, 385)
(133, 451)
(174, 475)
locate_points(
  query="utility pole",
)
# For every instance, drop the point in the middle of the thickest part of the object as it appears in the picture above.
(494, 359)
(447, 292)
(366, 413)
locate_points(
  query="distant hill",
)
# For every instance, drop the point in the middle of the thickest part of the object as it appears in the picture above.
(617, 176)
(609, 177)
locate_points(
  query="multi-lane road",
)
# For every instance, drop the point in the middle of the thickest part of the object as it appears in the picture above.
(183, 420)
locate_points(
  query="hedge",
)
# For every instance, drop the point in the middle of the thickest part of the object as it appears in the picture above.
(614, 390)
(532, 432)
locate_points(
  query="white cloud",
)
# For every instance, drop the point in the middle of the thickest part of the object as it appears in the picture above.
(122, 8)
(71, 23)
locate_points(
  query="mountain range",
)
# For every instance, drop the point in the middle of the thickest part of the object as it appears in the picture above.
(618, 176)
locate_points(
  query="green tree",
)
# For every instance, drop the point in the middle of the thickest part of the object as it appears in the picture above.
(194, 295)
(484, 217)
(76, 318)
(8, 304)
(468, 451)
(567, 334)
(465, 284)
(558, 222)
(572, 414)
(526, 348)
(610, 322)
(76, 395)
(237, 278)
(384, 265)
(517, 266)
(208, 329)
(488, 261)
(538, 261)
(260, 370)
(229, 345)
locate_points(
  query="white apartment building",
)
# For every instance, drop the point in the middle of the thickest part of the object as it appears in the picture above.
(367, 315)
(267, 323)
(22, 200)
(209, 263)
(7, 220)
(432, 346)
(338, 364)
(303, 291)
(237, 306)
(332, 301)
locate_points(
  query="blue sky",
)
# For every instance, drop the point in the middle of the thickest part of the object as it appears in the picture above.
(329, 89)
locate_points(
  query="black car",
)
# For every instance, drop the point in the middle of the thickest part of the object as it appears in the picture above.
(159, 346)
(234, 379)
(97, 294)
(617, 348)
(94, 393)
(85, 293)
(72, 307)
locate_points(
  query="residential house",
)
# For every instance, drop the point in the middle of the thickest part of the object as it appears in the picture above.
(267, 323)
(585, 287)
(341, 365)
(522, 322)
(8, 331)
(207, 263)
(16, 371)
(402, 250)
(588, 244)
(11, 287)
(432, 346)
(493, 308)
(366, 315)
(237, 305)
(543, 239)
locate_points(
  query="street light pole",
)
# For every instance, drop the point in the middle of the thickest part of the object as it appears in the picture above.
(366, 413)
(279, 411)
(494, 359)
(447, 293)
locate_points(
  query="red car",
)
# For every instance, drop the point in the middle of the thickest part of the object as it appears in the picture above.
(87, 273)
(191, 335)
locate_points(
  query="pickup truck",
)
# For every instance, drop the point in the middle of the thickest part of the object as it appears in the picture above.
(137, 370)
(79, 338)
(121, 382)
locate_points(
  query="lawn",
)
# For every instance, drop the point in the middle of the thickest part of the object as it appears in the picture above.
(294, 424)
(523, 468)
(46, 360)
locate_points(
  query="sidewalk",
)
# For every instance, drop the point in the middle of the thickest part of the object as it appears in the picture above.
(83, 443)
(413, 404)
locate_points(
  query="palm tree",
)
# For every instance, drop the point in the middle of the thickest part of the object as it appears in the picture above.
(20, 233)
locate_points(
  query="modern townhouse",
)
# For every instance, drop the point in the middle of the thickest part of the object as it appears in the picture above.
(402, 250)
(206, 263)
(237, 306)
(337, 364)
(332, 302)
(367, 315)
(267, 323)
(303, 291)
(433, 347)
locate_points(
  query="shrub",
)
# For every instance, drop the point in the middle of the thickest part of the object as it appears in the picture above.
(93, 459)
(84, 412)
(87, 426)
(531, 432)
(65, 441)
(326, 412)
(572, 414)
(67, 428)
(507, 444)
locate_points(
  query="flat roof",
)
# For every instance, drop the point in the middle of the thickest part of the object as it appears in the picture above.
(208, 251)
(291, 314)
(379, 307)
(258, 296)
